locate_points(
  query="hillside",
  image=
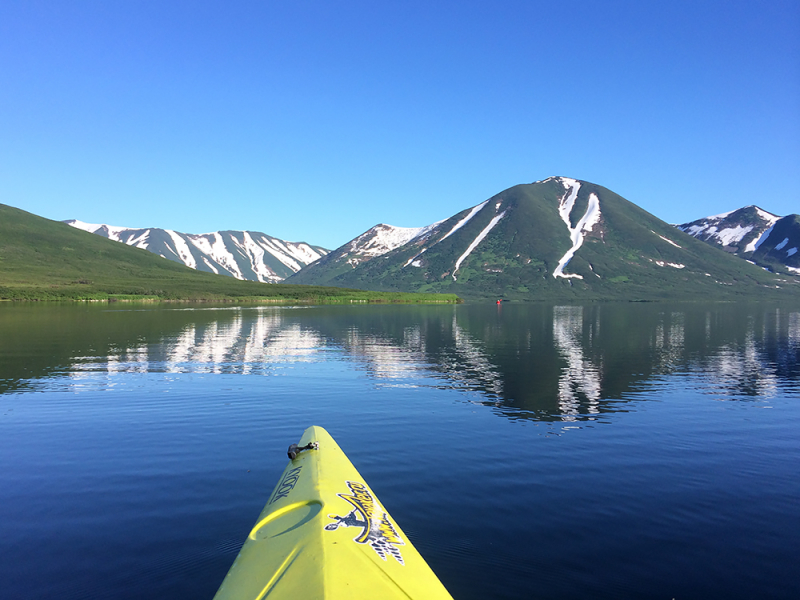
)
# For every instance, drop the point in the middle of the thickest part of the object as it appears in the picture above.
(248, 255)
(42, 259)
(557, 239)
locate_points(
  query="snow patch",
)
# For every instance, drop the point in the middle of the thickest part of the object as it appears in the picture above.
(721, 215)
(782, 244)
(90, 227)
(140, 241)
(292, 254)
(695, 229)
(384, 238)
(477, 241)
(182, 249)
(465, 220)
(756, 244)
(303, 252)
(568, 183)
(280, 251)
(733, 235)
(188, 247)
(202, 243)
(475, 210)
(577, 234)
(114, 232)
(769, 217)
(669, 241)
(662, 263)
(794, 269)
(568, 201)
(415, 260)
(791, 252)
(210, 266)
(255, 254)
(218, 252)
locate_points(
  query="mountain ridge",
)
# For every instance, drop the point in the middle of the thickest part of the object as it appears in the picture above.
(250, 255)
(41, 259)
(557, 238)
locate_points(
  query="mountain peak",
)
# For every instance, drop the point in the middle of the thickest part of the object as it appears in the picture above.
(752, 233)
(739, 230)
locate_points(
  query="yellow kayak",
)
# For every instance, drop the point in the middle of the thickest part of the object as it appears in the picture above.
(324, 534)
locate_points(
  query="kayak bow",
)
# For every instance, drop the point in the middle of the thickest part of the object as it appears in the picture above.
(324, 534)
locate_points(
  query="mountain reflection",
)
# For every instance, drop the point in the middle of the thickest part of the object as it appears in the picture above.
(240, 346)
(562, 363)
(579, 384)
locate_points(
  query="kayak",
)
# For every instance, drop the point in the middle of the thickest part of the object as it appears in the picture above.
(324, 534)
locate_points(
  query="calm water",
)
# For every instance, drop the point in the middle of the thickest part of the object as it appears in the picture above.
(603, 451)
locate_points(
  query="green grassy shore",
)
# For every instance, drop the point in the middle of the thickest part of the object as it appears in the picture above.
(42, 259)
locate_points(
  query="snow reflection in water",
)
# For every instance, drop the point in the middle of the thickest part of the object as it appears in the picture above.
(563, 376)
(237, 346)
(579, 378)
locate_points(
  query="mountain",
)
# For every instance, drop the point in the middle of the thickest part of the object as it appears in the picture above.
(374, 242)
(753, 234)
(42, 259)
(241, 254)
(557, 239)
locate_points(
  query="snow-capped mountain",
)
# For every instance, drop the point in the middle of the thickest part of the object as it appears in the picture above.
(737, 231)
(559, 237)
(374, 242)
(753, 234)
(378, 241)
(241, 254)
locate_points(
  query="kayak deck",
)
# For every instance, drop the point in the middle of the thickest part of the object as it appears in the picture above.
(324, 534)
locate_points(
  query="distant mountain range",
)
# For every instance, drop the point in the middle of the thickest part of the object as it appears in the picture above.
(42, 259)
(559, 238)
(753, 234)
(247, 255)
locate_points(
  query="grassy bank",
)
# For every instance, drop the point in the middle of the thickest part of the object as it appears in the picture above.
(277, 294)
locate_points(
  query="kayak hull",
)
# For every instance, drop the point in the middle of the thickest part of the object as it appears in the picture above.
(324, 534)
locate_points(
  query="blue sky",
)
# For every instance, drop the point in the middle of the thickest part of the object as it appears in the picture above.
(316, 120)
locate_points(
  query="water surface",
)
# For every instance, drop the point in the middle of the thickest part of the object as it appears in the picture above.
(605, 451)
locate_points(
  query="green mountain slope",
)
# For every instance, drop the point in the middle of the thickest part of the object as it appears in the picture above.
(44, 259)
(512, 245)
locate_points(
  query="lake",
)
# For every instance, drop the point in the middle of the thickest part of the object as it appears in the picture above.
(529, 451)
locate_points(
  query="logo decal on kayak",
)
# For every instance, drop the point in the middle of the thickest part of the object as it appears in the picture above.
(287, 484)
(368, 515)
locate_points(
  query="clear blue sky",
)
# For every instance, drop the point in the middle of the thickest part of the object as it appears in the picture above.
(316, 120)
